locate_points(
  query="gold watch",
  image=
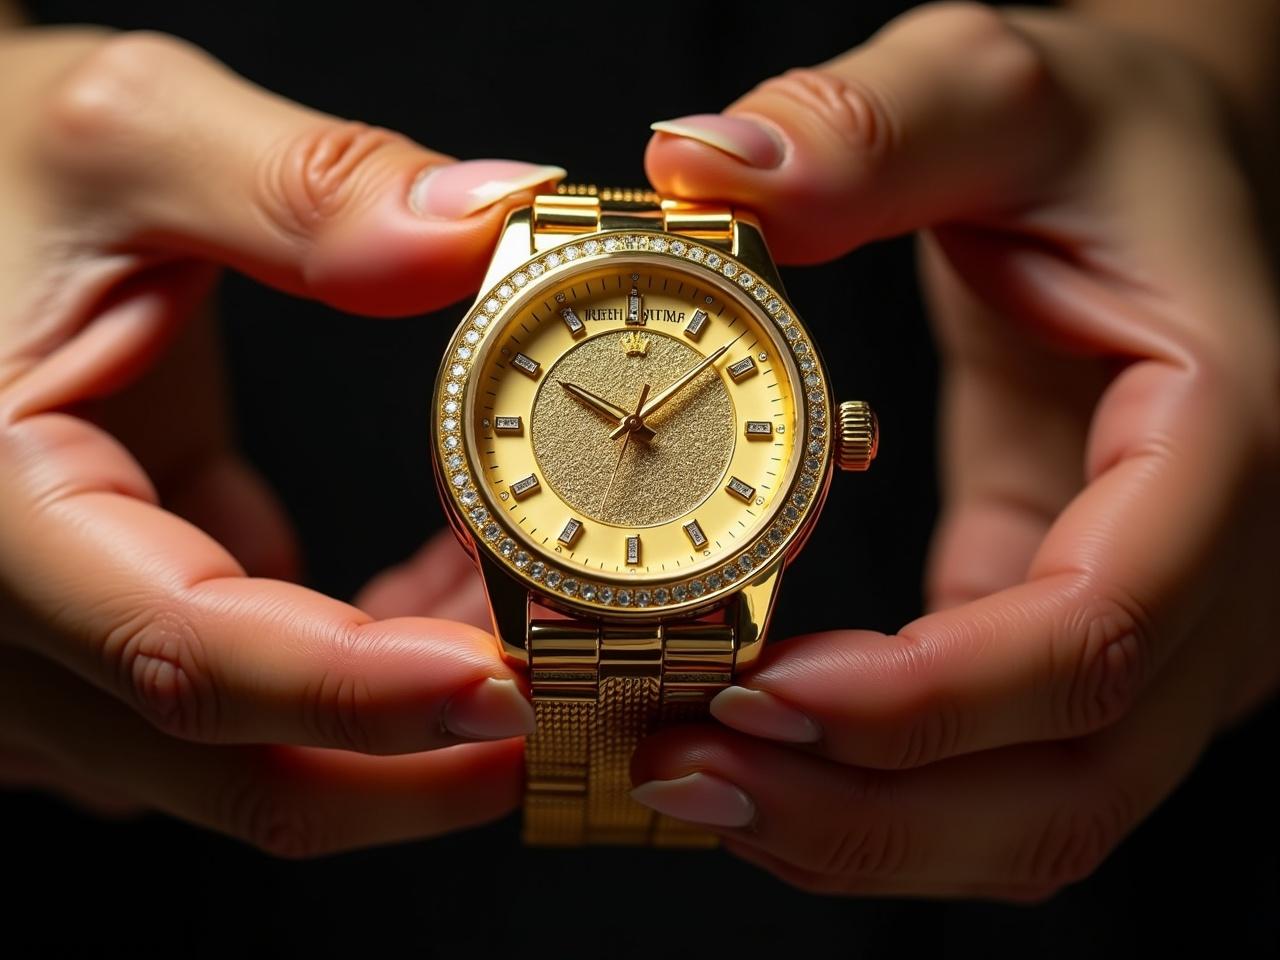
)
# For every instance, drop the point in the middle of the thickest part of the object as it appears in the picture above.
(632, 434)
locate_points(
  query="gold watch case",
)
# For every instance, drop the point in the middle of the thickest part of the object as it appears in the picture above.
(513, 566)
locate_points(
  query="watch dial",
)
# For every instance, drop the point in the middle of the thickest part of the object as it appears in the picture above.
(629, 430)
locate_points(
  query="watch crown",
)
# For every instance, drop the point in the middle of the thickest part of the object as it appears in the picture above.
(859, 435)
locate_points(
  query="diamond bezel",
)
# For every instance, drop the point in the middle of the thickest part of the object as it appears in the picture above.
(563, 584)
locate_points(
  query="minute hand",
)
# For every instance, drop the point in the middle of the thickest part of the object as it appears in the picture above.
(675, 388)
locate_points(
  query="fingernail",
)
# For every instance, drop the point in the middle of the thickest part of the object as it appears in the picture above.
(452, 191)
(698, 797)
(489, 710)
(749, 140)
(762, 714)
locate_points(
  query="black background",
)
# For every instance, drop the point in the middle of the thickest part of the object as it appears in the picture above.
(333, 409)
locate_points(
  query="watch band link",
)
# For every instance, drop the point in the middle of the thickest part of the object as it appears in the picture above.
(600, 687)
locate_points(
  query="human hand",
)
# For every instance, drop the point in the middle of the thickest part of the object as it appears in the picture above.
(152, 650)
(1102, 583)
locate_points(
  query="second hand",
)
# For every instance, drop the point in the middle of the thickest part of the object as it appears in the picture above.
(631, 424)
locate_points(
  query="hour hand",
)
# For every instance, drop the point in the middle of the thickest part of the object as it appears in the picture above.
(612, 411)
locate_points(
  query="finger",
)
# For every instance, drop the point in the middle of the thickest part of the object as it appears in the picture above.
(153, 610)
(944, 113)
(352, 214)
(1015, 823)
(291, 802)
(440, 580)
(27, 770)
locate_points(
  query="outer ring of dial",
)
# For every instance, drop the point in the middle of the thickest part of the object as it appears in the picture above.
(493, 334)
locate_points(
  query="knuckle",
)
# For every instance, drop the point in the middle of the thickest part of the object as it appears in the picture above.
(101, 102)
(1101, 661)
(928, 725)
(256, 809)
(159, 663)
(1072, 843)
(336, 709)
(318, 174)
(848, 108)
(933, 732)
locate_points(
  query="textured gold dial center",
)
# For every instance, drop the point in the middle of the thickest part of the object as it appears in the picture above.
(658, 479)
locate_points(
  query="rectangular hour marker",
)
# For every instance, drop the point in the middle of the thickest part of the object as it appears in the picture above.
(525, 364)
(522, 488)
(758, 429)
(570, 532)
(507, 424)
(693, 329)
(744, 492)
(743, 368)
(695, 534)
(571, 321)
(635, 309)
(633, 550)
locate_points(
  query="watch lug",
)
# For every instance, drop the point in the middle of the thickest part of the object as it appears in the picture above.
(508, 608)
(514, 247)
(751, 612)
(750, 248)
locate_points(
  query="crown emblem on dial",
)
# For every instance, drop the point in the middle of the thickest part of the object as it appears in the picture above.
(634, 344)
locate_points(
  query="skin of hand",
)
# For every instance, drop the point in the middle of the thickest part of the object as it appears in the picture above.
(154, 652)
(1102, 586)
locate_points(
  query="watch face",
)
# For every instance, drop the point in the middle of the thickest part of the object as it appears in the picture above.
(633, 424)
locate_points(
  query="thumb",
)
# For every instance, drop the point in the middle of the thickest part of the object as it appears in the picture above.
(945, 113)
(179, 153)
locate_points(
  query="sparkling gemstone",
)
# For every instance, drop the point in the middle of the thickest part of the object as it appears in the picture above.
(696, 253)
(610, 245)
(469, 496)
(815, 446)
(520, 279)
(571, 253)
(678, 248)
(491, 305)
(588, 591)
(807, 480)
(606, 595)
(713, 581)
(811, 464)
(643, 599)
(679, 592)
(773, 306)
(791, 513)
(591, 248)
(662, 595)
(800, 348)
(697, 588)
(783, 318)
(657, 243)
(762, 550)
(481, 321)
(792, 332)
(746, 281)
(450, 423)
(817, 412)
(459, 479)
(570, 587)
(812, 380)
(730, 270)
(818, 430)
(451, 406)
(464, 353)
(472, 337)
(522, 559)
(553, 260)
(806, 364)
(553, 578)
(713, 260)
(455, 462)
(730, 572)
(815, 396)
(507, 547)
(453, 388)
(745, 563)
(536, 269)
(457, 370)
(760, 292)
(479, 515)
(777, 534)
(451, 443)
(537, 569)
(490, 531)
(800, 498)
(624, 598)
(505, 292)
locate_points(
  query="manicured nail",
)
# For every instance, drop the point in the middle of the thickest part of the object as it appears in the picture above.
(762, 714)
(452, 191)
(489, 710)
(750, 141)
(698, 797)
